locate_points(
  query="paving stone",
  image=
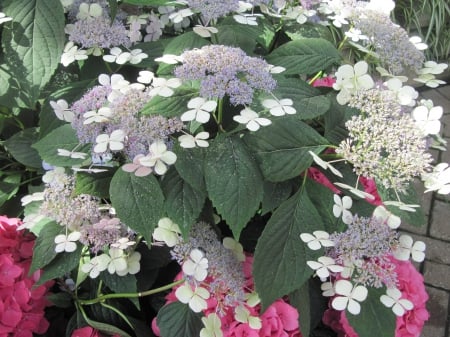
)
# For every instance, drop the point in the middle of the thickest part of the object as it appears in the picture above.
(437, 306)
(437, 97)
(440, 220)
(437, 274)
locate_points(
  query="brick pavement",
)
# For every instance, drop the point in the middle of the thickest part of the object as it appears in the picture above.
(436, 234)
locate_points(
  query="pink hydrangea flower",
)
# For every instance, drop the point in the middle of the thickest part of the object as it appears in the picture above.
(316, 175)
(88, 331)
(21, 303)
(324, 82)
(371, 188)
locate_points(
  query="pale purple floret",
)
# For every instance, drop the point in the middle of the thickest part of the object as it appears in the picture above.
(224, 71)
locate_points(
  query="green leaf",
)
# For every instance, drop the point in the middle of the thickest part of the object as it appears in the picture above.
(246, 37)
(174, 105)
(274, 195)
(34, 45)
(375, 319)
(20, 148)
(61, 300)
(44, 247)
(300, 300)
(96, 184)
(282, 147)
(138, 201)
(297, 31)
(61, 265)
(307, 100)
(9, 185)
(280, 256)
(233, 181)
(13, 93)
(63, 137)
(416, 218)
(177, 319)
(190, 166)
(183, 203)
(178, 45)
(305, 56)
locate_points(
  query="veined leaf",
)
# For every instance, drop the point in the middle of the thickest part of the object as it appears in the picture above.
(280, 256)
(233, 181)
(177, 319)
(138, 201)
(183, 203)
(63, 137)
(34, 45)
(307, 100)
(44, 247)
(20, 148)
(305, 56)
(282, 148)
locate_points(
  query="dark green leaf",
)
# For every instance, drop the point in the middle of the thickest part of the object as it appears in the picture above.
(280, 257)
(233, 181)
(300, 300)
(44, 247)
(9, 185)
(177, 319)
(189, 165)
(274, 195)
(308, 101)
(20, 148)
(63, 137)
(297, 31)
(282, 147)
(138, 201)
(150, 2)
(107, 328)
(61, 299)
(153, 49)
(174, 105)
(375, 319)
(305, 56)
(34, 45)
(245, 37)
(96, 184)
(183, 203)
(61, 265)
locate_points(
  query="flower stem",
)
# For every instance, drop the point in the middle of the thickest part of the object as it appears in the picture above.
(102, 298)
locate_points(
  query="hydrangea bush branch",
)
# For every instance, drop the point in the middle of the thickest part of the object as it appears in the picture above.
(222, 168)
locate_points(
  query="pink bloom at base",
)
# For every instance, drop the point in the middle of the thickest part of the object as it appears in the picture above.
(88, 331)
(327, 81)
(21, 303)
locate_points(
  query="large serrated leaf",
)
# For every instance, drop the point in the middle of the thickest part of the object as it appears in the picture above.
(63, 137)
(282, 148)
(61, 265)
(183, 203)
(96, 184)
(305, 56)
(174, 105)
(335, 118)
(139, 201)
(307, 100)
(280, 256)
(190, 166)
(44, 247)
(121, 284)
(34, 45)
(233, 181)
(375, 319)
(177, 319)
(20, 148)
